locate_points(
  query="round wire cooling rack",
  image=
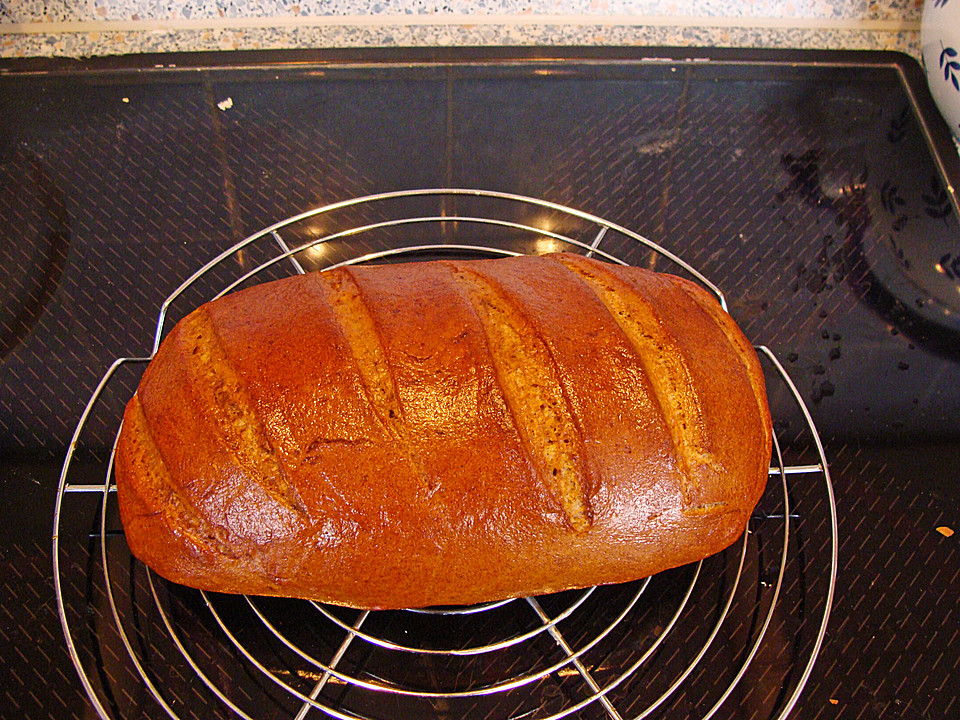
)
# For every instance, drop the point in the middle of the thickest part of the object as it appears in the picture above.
(737, 633)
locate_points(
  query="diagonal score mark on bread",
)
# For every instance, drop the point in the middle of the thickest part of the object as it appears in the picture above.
(530, 383)
(242, 431)
(744, 351)
(664, 365)
(363, 340)
(157, 491)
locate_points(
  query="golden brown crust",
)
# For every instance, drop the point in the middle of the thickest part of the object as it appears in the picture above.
(375, 437)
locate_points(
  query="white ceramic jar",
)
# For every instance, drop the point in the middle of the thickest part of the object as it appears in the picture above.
(940, 44)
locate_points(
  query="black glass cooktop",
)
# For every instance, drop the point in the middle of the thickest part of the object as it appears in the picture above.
(817, 190)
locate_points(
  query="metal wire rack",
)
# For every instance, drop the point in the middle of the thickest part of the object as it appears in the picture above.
(693, 642)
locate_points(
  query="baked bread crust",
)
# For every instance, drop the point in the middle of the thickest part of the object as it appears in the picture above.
(444, 433)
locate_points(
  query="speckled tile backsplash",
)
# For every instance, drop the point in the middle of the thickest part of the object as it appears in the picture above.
(100, 27)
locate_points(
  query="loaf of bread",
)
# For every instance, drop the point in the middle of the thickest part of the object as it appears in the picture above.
(444, 433)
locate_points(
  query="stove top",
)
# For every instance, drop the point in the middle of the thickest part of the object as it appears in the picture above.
(816, 190)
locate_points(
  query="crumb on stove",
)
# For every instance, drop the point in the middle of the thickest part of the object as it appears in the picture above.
(945, 531)
(834, 701)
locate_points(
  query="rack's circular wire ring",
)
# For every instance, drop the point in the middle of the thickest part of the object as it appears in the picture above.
(356, 632)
